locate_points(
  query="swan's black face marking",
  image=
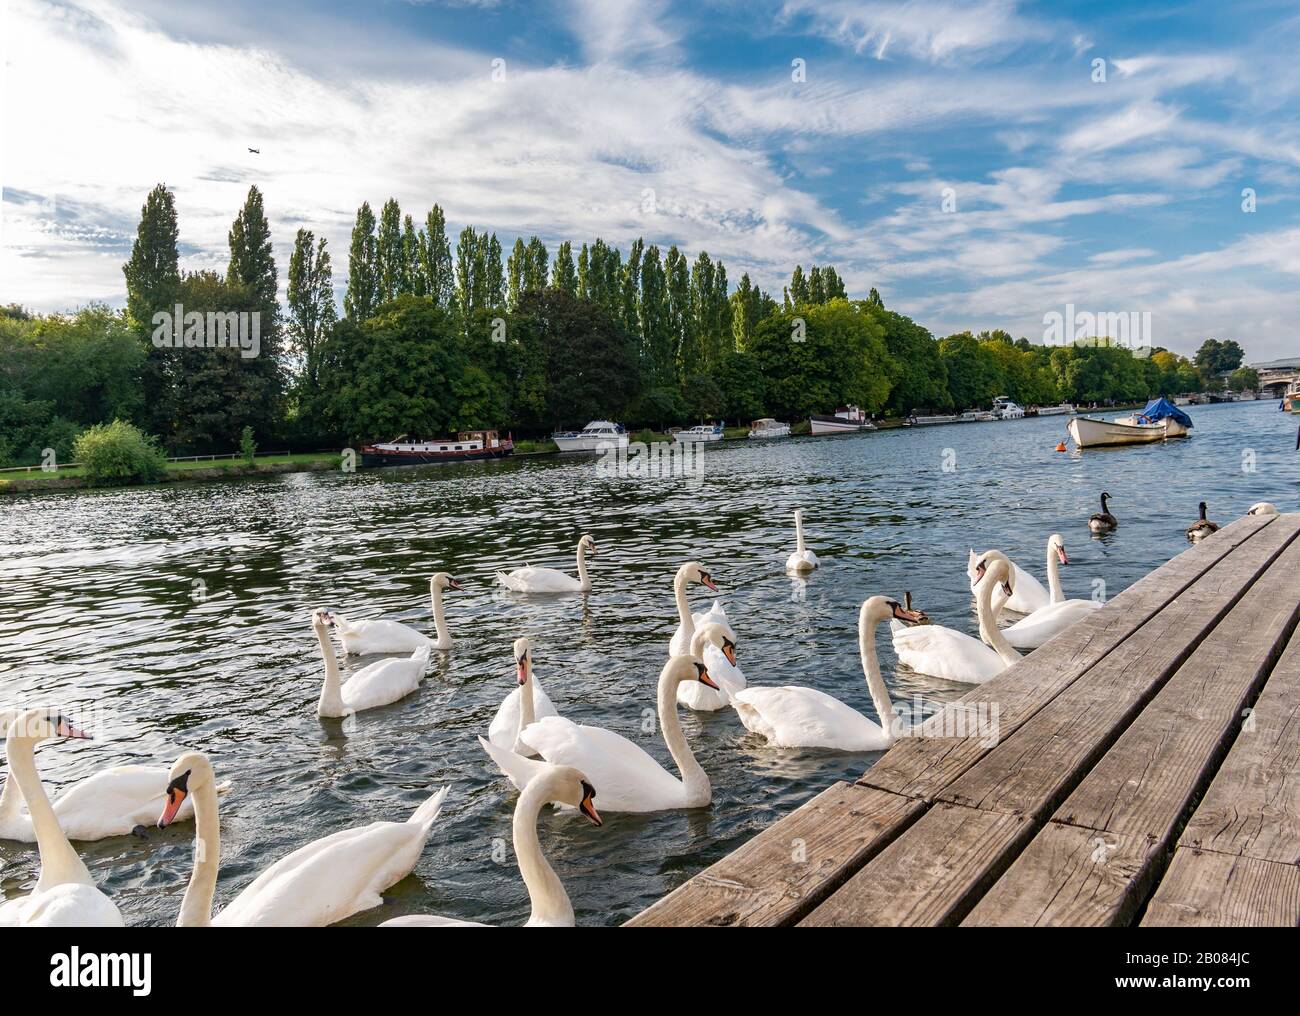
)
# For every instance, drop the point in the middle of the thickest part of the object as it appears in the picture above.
(177, 790)
(64, 727)
(453, 584)
(523, 668)
(587, 807)
(1061, 555)
(904, 614)
(702, 673)
(706, 580)
(729, 650)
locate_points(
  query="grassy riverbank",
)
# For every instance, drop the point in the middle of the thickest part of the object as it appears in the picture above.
(73, 477)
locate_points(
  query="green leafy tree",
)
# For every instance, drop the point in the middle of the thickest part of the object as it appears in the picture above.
(435, 259)
(118, 452)
(390, 258)
(564, 275)
(918, 374)
(152, 275)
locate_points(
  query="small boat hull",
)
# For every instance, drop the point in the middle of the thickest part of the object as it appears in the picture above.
(822, 425)
(372, 459)
(1090, 432)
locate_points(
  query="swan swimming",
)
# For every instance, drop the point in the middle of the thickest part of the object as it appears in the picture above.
(364, 638)
(1034, 629)
(797, 717)
(319, 884)
(954, 655)
(526, 703)
(550, 580)
(376, 684)
(1030, 594)
(803, 559)
(630, 780)
(65, 895)
(550, 903)
(691, 571)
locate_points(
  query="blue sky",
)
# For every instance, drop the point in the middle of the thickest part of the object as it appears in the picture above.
(683, 123)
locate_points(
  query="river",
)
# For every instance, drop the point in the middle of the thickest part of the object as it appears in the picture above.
(178, 617)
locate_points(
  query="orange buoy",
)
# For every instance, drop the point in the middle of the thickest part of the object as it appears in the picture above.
(1061, 447)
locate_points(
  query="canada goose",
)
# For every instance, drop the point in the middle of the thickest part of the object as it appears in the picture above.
(1103, 521)
(1202, 527)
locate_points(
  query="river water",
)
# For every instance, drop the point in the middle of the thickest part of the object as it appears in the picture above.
(178, 617)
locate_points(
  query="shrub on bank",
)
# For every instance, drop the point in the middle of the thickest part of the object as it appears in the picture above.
(118, 452)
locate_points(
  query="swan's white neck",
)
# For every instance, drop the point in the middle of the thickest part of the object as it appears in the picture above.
(439, 617)
(683, 606)
(527, 712)
(196, 907)
(1054, 574)
(989, 630)
(550, 903)
(59, 862)
(583, 578)
(331, 693)
(798, 533)
(695, 781)
(875, 682)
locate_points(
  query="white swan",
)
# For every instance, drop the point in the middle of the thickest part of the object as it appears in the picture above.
(799, 717)
(1029, 592)
(374, 685)
(1034, 629)
(550, 903)
(955, 656)
(715, 644)
(362, 638)
(630, 780)
(1263, 508)
(324, 882)
(550, 580)
(691, 571)
(802, 559)
(522, 706)
(65, 895)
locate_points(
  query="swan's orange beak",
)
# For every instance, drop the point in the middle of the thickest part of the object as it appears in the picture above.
(453, 584)
(587, 807)
(177, 791)
(706, 580)
(909, 616)
(523, 669)
(703, 673)
(1061, 555)
(729, 651)
(66, 728)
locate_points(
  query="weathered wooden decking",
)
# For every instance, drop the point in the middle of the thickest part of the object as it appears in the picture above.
(1146, 770)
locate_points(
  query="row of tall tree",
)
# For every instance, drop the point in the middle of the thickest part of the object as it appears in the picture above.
(432, 338)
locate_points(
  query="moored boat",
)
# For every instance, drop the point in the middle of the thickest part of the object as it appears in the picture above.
(700, 432)
(1005, 409)
(597, 436)
(466, 446)
(1159, 420)
(932, 421)
(767, 428)
(847, 420)
(1291, 401)
(1058, 410)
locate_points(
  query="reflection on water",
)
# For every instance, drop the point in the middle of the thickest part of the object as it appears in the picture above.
(181, 615)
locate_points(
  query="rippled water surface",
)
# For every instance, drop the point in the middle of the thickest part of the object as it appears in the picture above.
(100, 605)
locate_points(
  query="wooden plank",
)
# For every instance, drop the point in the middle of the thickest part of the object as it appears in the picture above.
(1031, 771)
(921, 766)
(1106, 846)
(1253, 805)
(1068, 877)
(789, 867)
(1207, 889)
(925, 877)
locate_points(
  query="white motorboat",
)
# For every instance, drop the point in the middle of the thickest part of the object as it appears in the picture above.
(1005, 409)
(847, 420)
(700, 432)
(597, 436)
(932, 421)
(767, 428)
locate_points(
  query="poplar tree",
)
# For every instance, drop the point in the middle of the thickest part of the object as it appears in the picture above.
(535, 265)
(564, 276)
(388, 250)
(152, 274)
(362, 294)
(311, 298)
(515, 272)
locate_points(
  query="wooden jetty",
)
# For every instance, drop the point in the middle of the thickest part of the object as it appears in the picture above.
(1145, 770)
